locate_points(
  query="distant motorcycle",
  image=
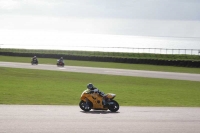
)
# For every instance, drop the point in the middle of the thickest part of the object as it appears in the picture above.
(34, 61)
(60, 63)
(95, 101)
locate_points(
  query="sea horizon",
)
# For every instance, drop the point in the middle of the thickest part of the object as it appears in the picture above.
(101, 42)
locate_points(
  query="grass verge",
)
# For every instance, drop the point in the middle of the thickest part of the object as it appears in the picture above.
(42, 87)
(105, 64)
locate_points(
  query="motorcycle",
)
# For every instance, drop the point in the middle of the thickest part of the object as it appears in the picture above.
(95, 101)
(34, 61)
(60, 63)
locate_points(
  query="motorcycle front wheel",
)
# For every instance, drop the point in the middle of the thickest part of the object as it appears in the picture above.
(113, 106)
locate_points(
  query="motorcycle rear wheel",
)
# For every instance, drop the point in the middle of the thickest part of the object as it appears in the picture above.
(82, 105)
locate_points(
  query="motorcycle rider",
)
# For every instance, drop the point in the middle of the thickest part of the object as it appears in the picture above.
(34, 58)
(61, 60)
(93, 89)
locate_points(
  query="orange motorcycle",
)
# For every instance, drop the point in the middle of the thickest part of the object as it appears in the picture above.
(95, 101)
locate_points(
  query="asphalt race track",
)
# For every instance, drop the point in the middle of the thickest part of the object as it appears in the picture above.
(71, 119)
(109, 71)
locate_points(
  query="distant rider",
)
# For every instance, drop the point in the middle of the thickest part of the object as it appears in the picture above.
(95, 90)
(61, 60)
(34, 58)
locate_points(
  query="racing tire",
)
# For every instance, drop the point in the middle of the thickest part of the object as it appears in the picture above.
(82, 105)
(113, 106)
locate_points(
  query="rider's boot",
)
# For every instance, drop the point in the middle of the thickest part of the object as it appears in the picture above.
(104, 103)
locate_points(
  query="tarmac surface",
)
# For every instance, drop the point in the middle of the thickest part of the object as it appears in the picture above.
(108, 71)
(71, 119)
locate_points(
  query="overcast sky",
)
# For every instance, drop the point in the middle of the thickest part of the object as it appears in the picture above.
(99, 22)
(124, 17)
(95, 9)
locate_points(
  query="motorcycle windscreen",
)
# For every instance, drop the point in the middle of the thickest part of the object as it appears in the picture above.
(110, 95)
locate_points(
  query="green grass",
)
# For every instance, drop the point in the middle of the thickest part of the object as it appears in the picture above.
(42, 87)
(105, 64)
